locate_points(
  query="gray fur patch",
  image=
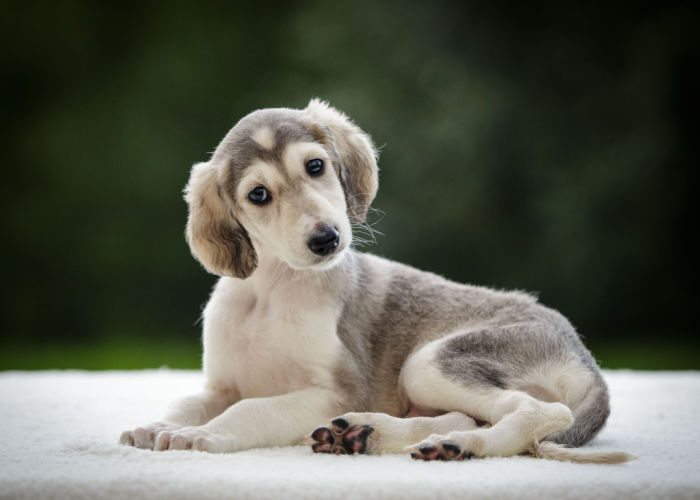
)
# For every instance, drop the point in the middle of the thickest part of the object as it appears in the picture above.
(241, 150)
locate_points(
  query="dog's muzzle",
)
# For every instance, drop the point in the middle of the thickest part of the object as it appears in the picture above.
(324, 241)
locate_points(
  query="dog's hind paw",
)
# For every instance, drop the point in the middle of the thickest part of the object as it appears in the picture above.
(341, 438)
(438, 447)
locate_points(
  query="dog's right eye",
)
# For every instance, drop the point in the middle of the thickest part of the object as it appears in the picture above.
(259, 195)
(314, 167)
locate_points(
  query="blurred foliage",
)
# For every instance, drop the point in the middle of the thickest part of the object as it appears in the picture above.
(541, 146)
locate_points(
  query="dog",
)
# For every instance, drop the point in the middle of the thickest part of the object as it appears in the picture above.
(302, 332)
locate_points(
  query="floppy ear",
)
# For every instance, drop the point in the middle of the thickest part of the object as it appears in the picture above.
(215, 236)
(357, 156)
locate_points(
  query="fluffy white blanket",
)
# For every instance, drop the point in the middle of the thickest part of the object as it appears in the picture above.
(60, 432)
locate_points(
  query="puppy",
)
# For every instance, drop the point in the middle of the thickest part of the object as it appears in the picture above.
(301, 329)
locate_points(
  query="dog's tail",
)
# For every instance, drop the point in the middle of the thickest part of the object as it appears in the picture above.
(591, 416)
(554, 451)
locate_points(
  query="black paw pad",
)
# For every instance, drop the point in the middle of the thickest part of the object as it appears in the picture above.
(430, 453)
(355, 439)
(447, 452)
(343, 440)
(323, 435)
(340, 424)
(451, 451)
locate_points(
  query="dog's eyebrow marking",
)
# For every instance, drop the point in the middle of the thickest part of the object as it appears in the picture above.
(265, 138)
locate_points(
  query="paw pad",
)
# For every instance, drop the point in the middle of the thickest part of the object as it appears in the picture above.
(343, 439)
(340, 424)
(446, 452)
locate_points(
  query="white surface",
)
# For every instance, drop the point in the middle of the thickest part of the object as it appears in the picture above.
(60, 429)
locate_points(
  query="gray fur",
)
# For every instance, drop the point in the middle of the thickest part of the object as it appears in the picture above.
(505, 335)
(240, 150)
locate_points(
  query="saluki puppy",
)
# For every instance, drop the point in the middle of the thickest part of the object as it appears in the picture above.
(301, 329)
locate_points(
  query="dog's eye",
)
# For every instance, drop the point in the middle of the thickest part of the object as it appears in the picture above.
(314, 167)
(259, 195)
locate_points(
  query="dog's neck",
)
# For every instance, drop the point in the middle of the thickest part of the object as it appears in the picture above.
(273, 273)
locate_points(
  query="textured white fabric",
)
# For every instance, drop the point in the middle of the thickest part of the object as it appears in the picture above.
(60, 433)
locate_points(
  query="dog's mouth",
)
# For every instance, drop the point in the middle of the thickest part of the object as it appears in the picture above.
(332, 253)
(330, 260)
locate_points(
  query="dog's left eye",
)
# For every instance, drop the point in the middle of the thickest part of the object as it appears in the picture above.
(314, 167)
(259, 195)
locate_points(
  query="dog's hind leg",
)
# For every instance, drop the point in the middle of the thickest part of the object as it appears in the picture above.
(526, 422)
(477, 386)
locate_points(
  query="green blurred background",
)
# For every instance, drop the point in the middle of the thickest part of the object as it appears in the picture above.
(541, 146)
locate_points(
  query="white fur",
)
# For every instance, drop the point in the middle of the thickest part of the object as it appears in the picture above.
(264, 137)
(258, 340)
(266, 358)
(300, 204)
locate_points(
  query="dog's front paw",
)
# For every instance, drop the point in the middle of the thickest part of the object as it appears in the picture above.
(144, 437)
(196, 439)
(439, 447)
(341, 437)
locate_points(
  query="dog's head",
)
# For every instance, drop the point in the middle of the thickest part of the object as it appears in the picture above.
(283, 183)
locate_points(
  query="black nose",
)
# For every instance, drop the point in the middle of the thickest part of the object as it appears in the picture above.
(324, 241)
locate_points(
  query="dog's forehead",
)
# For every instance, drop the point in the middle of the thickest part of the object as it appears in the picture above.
(263, 136)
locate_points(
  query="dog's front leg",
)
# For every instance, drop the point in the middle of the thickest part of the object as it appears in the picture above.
(192, 410)
(257, 422)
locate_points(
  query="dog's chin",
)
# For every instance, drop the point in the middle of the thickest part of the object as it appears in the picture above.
(321, 263)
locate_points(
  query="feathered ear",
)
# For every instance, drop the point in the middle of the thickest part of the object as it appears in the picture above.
(215, 236)
(357, 156)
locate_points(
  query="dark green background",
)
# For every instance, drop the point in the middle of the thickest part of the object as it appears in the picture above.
(548, 147)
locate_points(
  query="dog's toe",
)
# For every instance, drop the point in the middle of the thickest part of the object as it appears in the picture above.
(340, 425)
(451, 451)
(127, 438)
(322, 435)
(430, 453)
(162, 441)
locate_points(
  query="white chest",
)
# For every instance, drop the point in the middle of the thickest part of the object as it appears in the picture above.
(271, 344)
